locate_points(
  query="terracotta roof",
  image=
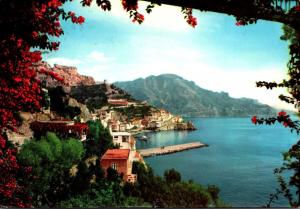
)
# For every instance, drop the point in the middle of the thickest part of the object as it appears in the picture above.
(116, 154)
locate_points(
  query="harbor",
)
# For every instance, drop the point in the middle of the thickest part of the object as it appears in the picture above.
(170, 149)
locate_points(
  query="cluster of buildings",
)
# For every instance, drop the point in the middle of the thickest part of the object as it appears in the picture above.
(120, 159)
(159, 119)
(121, 129)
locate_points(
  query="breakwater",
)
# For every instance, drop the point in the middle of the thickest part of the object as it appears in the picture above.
(170, 149)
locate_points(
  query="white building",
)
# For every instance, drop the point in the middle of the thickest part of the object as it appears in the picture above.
(124, 139)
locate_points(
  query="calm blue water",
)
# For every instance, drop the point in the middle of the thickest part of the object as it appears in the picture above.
(240, 158)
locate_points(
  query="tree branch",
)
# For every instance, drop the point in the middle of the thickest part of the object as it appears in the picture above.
(239, 8)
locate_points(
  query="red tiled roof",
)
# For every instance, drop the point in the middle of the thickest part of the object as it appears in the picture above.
(116, 154)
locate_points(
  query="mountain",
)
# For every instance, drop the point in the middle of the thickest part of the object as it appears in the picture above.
(184, 97)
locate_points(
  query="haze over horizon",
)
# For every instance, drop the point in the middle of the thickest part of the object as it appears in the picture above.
(217, 55)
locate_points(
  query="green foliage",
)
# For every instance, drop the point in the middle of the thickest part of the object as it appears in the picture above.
(98, 139)
(290, 189)
(51, 160)
(101, 193)
(59, 103)
(72, 152)
(289, 34)
(214, 192)
(112, 175)
(135, 111)
(170, 191)
(102, 196)
(172, 176)
(94, 96)
(187, 194)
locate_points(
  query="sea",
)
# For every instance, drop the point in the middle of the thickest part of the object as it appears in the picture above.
(240, 158)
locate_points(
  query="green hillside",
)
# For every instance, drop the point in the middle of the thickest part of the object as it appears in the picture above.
(184, 97)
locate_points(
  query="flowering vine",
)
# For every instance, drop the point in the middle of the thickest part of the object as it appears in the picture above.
(289, 189)
(32, 25)
(131, 6)
(188, 16)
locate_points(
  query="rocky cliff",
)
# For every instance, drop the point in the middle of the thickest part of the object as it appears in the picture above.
(69, 74)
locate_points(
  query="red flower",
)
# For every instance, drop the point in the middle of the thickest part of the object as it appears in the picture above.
(138, 17)
(87, 2)
(240, 23)
(57, 24)
(129, 5)
(36, 56)
(297, 8)
(282, 113)
(34, 34)
(80, 20)
(54, 3)
(192, 21)
(74, 19)
(18, 79)
(285, 124)
(72, 14)
(254, 119)
(44, 8)
(55, 45)
(19, 42)
(2, 143)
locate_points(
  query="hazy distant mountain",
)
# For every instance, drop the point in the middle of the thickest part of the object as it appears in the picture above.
(184, 97)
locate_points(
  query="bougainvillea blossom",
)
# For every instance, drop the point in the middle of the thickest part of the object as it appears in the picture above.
(254, 119)
(188, 16)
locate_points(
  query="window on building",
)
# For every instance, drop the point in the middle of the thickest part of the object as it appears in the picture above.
(114, 166)
(115, 137)
(124, 139)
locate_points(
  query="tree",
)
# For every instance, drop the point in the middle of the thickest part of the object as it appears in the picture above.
(103, 196)
(170, 191)
(51, 160)
(214, 192)
(98, 140)
(59, 103)
(172, 176)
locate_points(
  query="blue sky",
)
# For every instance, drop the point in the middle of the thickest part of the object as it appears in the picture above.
(217, 54)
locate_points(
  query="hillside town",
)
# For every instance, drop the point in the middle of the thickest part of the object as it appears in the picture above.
(122, 115)
(121, 129)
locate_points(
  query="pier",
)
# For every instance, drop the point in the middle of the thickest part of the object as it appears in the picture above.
(170, 149)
